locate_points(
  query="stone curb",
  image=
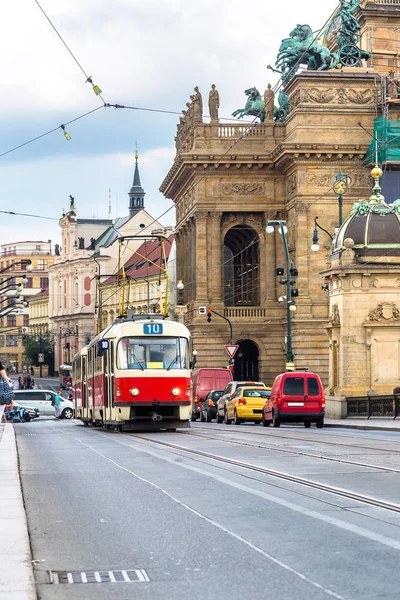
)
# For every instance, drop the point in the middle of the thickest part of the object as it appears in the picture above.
(365, 426)
(16, 573)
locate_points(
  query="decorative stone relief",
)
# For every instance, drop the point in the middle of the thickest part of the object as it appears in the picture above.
(361, 180)
(241, 189)
(319, 179)
(334, 319)
(373, 283)
(333, 96)
(385, 311)
(301, 209)
(291, 184)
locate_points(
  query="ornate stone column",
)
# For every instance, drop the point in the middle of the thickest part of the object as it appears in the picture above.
(214, 259)
(200, 257)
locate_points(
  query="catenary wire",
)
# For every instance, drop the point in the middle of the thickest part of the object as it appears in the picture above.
(88, 77)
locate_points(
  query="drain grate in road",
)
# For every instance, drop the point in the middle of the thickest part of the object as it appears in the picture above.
(127, 576)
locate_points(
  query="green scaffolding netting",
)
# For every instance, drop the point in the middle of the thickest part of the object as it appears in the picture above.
(387, 132)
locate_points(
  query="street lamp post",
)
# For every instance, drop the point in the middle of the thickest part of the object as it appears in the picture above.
(290, 305)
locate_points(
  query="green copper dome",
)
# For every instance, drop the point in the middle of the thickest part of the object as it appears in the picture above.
(374, 226)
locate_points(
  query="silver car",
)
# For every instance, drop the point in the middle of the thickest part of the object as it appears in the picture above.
(44, 400)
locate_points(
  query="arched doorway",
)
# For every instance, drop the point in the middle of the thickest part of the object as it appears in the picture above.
(246, 362)
(241, 267)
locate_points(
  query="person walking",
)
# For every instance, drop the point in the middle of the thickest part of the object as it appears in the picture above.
(57, 405)
(5, 389)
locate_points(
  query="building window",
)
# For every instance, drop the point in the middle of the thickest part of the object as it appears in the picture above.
(44, 283)
(10, 301)
(12, 340)
(30, 282)
(11, 321)
(42, 264)
(26, 320)
(38, 248)
(11, 281)
(1, 340)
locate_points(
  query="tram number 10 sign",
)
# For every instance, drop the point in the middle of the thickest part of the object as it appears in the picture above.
(153, 329)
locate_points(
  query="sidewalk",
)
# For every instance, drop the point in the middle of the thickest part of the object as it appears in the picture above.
(16, 574)
(375, 423)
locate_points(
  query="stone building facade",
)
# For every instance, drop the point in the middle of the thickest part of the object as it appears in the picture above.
(89, 253)
(14, 259)
(228, 181)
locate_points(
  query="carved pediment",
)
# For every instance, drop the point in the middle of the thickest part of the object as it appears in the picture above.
(385, 311)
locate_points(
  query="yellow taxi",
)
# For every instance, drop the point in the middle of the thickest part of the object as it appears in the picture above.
(246, 404)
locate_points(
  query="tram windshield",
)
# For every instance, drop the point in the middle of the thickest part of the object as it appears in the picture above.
(153, 353)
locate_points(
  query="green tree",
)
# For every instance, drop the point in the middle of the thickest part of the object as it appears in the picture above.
(39, 344)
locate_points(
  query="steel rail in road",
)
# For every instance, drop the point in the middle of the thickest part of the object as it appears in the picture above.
(378, 502)
(295, 452)
(318, 440)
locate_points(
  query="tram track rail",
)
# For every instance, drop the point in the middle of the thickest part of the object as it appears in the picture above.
(292, 452)
(336, 491)
(310, 440)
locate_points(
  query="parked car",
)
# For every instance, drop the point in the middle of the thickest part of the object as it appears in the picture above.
(32, 412)
(42, 400)
(229, 390)
(209, 406)
(204, 381)
(296, 397)
(246, 404)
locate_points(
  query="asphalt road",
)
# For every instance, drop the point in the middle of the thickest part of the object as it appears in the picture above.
(207, 516)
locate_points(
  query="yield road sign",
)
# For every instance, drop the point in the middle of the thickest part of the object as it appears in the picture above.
(231, 350)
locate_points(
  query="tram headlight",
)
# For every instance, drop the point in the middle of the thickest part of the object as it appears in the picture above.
(176, 391)
(135, 392)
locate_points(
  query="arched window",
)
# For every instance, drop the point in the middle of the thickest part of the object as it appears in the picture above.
(241, 267)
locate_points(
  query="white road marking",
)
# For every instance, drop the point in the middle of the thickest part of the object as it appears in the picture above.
(125, 576)
(112, 578)
(70, 578)
(221, 527)
(83, 577)
(97, 577)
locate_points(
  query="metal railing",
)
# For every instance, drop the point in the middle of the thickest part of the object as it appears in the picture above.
(387, 1)
(248, 312)
(373, 406)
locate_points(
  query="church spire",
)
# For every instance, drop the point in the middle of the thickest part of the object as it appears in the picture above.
(136, 193)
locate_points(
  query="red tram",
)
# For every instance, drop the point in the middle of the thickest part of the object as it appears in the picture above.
(134, 375)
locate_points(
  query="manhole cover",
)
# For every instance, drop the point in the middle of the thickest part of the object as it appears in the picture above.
(127, 576)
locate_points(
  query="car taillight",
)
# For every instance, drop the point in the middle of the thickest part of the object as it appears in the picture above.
(118, 390)
(196, 399)
(323, 402)
(242, 401)
(210, 403)
(188, 388)
(279, 402)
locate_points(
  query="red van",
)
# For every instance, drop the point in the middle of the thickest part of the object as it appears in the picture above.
(295, 397)
(204, 381)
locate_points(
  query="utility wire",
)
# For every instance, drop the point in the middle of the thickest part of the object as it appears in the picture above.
(51, 130)
(88, 77)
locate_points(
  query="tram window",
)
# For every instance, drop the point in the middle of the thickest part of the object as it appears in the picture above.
(153, 353)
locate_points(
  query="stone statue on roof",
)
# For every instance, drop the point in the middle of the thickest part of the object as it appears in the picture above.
(213, 103)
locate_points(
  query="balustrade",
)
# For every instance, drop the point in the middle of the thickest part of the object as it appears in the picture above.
(235, 131)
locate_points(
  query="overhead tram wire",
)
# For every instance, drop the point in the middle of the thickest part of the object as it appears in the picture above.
(38, 137)
(88, 77)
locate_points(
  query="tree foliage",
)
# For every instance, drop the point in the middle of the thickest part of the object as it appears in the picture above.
(39, 344)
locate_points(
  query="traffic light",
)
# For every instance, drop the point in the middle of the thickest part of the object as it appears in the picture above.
(209, 311)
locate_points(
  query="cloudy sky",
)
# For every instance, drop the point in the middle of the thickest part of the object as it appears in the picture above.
(143, 53)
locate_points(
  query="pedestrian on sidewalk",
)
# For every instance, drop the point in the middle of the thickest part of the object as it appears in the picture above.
(6, 392)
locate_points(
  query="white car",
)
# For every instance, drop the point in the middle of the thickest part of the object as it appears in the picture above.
(42, 399)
